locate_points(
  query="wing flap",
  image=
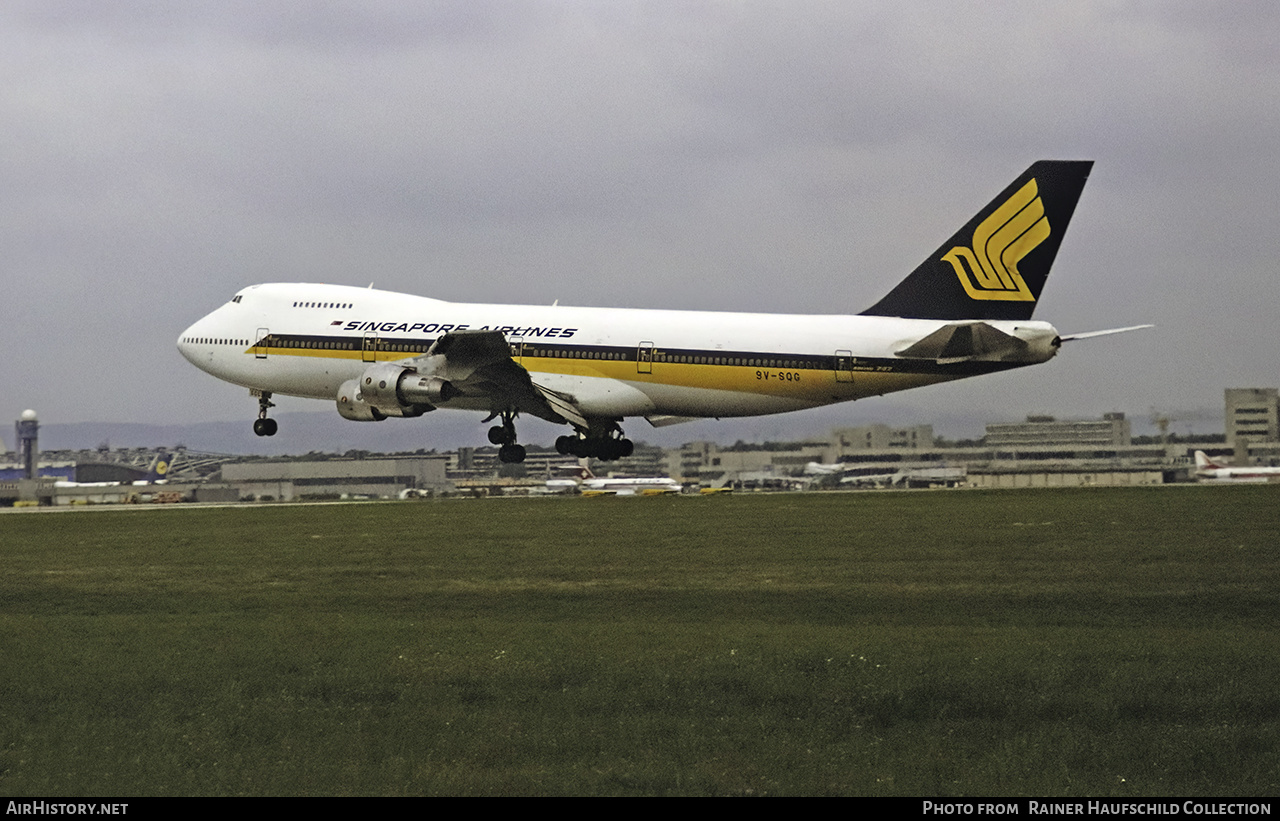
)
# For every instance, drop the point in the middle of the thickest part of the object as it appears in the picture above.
(562, 406)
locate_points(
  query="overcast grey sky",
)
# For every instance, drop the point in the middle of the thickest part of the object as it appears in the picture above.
(787, 157)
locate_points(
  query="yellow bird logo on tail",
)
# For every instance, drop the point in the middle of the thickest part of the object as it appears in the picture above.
(989, 270)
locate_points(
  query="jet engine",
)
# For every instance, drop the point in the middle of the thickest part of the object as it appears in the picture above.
(351, 404)
(388, 389)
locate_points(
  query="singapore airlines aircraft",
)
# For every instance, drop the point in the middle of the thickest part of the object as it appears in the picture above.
(965, 311)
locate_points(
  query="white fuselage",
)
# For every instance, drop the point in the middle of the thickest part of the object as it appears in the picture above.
(1256, 475)
(1250, 475)
(633, 486)
(308, 339)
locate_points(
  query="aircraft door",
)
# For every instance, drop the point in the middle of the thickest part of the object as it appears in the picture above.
(369, 348)
(843, 363)
(644, 358)
(260, 346)
(517, 348)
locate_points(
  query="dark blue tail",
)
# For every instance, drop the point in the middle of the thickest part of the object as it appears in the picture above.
(996, 265)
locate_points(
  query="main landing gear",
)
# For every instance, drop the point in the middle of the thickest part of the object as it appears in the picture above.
(264, 425)
(505, 435)
(606, 445)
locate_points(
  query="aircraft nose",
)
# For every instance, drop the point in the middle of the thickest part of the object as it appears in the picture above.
(187, 343)
(182, 341)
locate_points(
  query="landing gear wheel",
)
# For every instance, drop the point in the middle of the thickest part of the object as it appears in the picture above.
(511, 453)
(504, 435)
(606, 448)
(611, 449)
(264, 426)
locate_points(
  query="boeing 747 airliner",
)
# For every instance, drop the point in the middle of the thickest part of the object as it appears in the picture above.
(965, 311)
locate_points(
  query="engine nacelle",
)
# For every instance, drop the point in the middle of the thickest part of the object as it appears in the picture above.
(351, 404)
(394, 390)
(378, 385)
(430, 390)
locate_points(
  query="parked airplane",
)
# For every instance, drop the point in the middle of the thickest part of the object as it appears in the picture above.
(852, 473)
(157, 474)
(1210, 471)
(823, 469)
(562, 486)
(632, 486)
(158, 470)
(589, 484)
(965, 311)
(872, 479)
(931, 477)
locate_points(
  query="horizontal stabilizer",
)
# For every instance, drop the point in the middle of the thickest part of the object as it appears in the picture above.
(964, 342)
(1091, 334)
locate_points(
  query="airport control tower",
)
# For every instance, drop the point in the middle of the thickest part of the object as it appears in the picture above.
(26, 428)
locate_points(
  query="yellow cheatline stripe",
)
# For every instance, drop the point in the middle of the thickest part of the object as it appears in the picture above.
(812, 384)
(807, 384)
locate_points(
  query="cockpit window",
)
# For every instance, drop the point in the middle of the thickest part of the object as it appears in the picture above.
(235, 298)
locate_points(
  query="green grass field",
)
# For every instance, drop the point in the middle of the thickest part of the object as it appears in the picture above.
(1073, 642)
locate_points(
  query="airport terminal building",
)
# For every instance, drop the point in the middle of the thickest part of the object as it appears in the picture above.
(1253, 425)
(371, 478)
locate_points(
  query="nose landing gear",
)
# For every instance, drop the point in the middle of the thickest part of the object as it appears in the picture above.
(264, 425)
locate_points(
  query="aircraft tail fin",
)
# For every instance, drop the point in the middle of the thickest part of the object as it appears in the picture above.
(1203, 462)
(158, 471)
(996, 265)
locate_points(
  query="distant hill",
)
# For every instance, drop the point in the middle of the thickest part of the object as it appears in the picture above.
(299, 433)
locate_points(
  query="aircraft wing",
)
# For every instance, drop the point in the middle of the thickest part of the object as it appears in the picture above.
(471, 349)
(478, 364)
(560, 404)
